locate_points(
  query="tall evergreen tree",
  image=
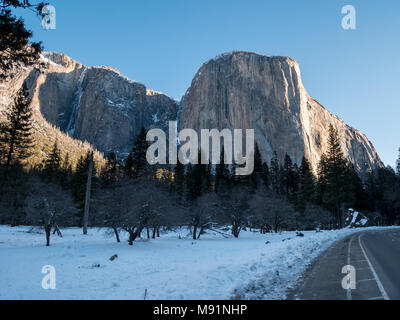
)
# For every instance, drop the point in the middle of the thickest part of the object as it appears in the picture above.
(356, 195)
(52, 164)
(257, 160)
(16, 50)
(265, 175)
(321, 183)
(136, 162)
(306, 186)
(371, 191)
(334, 175)
(197, 180)
(254, 178)
(387, 195)
(179, 179)
(129, 165)
(110, 172)
(15, 132)
(288, 177)
(222, 173)
(66, 172)
(275, 173)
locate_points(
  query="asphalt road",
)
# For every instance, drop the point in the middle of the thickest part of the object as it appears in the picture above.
(374, 257)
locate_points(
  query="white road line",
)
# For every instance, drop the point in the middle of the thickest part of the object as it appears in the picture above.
(380, 286)
(375, 298)
(372, 279)
(348, 293)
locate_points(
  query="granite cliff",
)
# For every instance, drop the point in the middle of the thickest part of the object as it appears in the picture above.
(240, 90)
(244, 90)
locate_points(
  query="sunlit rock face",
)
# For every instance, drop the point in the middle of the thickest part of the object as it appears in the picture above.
(242, 90)
(237, 90)
(95, 104)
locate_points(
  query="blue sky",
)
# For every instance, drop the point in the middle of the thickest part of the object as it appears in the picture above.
(353, 73)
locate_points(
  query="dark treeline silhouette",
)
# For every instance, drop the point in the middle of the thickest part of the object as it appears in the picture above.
(142, 200)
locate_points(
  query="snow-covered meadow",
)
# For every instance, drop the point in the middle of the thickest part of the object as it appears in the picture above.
(174, 266)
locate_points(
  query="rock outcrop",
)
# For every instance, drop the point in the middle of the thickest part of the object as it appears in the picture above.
(94, 104)
(238, 90)
(243, 90)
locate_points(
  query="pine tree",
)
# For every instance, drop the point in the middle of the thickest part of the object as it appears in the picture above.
(265, 175)
(15, 132)
(190, 191)
(197, 180)
(222, 173)
(257, 160)
(306, 186)
(52, 164)
(398, 165)
(136, 162)
(16, 50)
(179, 179)
(321, 183)
(356, 195)
(371, 191)
(287, 181)
(129, 165)
(387, 194)
(66, 172)
(139, 151)
(256, 175)
(275, 173)
(334, 172)
(109, 174)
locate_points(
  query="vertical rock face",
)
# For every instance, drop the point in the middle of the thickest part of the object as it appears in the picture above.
(242, 90)
(95, 104)
(238, 90)
(45, 132)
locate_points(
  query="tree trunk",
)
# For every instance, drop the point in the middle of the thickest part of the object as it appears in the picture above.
(48, 233)
(235, 231)
(135, 234)
(154, 233)
(87, 197)
(158, 231)
(200, 232)
(148, 232)
(194, 232)
(116, 234)
(131, 238)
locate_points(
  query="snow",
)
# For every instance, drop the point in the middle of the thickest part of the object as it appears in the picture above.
(155, 118)
(357, 219)
(122, 105)
(47, 60)
(254, 266)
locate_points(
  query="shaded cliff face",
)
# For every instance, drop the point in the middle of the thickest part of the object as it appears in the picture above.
(242, 90)
(44, 132)
(96, 104)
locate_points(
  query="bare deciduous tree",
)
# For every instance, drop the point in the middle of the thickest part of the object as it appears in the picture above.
(234, 207)
(272, 212)
(202, 212)
(135, 204)
(50, 207)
